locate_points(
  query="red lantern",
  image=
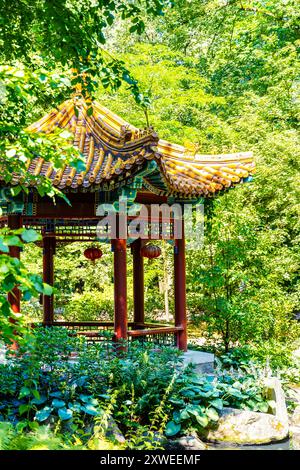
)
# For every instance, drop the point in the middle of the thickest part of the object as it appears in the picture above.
(93, 254)
(150, 251)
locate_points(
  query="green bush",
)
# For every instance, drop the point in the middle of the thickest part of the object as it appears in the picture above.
(272, 355)
(145, 390)
(90, 306)
(42, 438)
(41, 385)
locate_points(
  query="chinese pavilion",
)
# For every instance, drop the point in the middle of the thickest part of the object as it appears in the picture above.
(120, 161)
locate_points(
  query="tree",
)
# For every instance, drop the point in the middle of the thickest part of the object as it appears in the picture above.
(223, 77)
(40, 43)
(72, 33)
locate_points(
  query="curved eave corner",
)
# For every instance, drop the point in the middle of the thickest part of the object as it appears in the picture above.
(202, 175)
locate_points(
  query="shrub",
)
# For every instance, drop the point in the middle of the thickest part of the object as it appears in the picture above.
(145, 390)
(90, 306)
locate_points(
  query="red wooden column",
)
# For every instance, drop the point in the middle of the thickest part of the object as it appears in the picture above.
(180, 291)
(48, 277)
(138, 282)
(14, 222)
(120, 288)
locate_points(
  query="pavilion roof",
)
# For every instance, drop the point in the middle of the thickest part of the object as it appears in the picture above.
(115, 150)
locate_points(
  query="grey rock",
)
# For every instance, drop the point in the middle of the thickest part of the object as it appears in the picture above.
(247, 427)
(202, 361)
(295, 428)
(187, 443)
(113, 432)
(3, 359)
(250, 427)
(275, 392)
(296, 441)
(295, 420)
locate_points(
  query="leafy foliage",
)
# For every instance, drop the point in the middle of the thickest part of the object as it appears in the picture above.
(47, 40)
(224, 77)
(217, 77)
(12, 273)
(147, 392)
(73, 34)
(199, 400)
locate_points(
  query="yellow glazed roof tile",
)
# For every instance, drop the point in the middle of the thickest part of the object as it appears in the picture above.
(113, 148)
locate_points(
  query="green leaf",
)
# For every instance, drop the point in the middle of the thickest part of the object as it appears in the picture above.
(252, 404)
(235, 393)
(263, 407)
(133, 28)
(194, 410)
(30, 235)
(56, 394)
(90, 410)
(88, 399)
(104, 396)
(3, 248)
(212, 414)
(176, 416)
(202, 420)
(39, 401)
(217, 403)
(187, 393)
(43, 414)
(65, 414)
(47, 290)
(184, 415)
(17, 189)
(33, 425)
(24, 408)
(75, 407)
(21, 425)
(58, 403)
(36, 394)
(24, 392)
(13, 241)
(79, 165)
(197, 380)
(27, 295)
(172, 429)
(176, 401)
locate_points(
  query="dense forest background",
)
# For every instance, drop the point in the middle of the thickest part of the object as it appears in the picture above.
(216, 76)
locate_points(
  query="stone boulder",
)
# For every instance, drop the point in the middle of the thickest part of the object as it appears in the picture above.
(3, 359)
(295, 421)
(296, 441)
(250, 427)
(185, 443)
(295, 428)
(247, 427)
(203, 362)
(113, 432)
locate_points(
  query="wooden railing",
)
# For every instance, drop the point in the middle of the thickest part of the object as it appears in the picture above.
(166, 335)
(96, 331)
